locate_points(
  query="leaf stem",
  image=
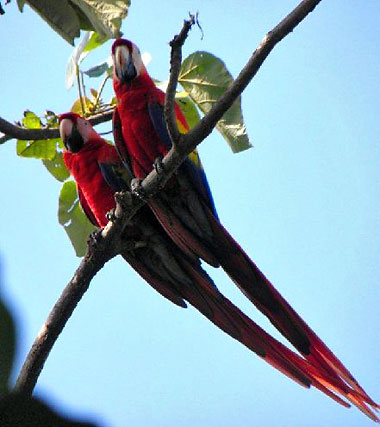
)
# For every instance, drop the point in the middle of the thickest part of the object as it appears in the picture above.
(77, 72)
(100, 91)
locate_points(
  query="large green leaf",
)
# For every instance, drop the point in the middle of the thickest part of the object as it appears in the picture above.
(7, 347)
(104, 15)
(68, 17)
(72, 218)
(44, 149)
(206, 78)
(56, 167)
(59, 15)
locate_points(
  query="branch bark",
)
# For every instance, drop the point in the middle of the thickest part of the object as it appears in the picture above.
(101, 248)
(175, 66)
(108, 244)
(11, 131)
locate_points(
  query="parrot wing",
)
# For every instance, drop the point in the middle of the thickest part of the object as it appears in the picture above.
(86, 208)
(192, 166)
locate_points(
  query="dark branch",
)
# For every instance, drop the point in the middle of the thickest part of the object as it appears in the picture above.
(175, 66)
(100, 250)
(127, 205)
(11, 131)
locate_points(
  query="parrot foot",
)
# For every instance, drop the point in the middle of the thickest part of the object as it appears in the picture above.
(137, 189)
(111, 215)
(124, 199)
(159, 166)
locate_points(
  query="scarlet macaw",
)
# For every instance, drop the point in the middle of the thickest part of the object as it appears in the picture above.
(98, 172)
(186, 211)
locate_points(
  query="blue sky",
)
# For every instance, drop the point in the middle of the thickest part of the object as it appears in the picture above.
(304, 204)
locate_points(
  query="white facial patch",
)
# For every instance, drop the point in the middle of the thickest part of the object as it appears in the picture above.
(136, 58)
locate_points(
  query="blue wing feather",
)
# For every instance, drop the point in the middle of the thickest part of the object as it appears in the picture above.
(115, 176)
(194, 170)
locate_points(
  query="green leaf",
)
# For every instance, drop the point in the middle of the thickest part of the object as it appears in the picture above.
(44, 149)
(59, 15)
(57, 168)
(73, 219)
(97, 70)
(51, 119)
(105, 15)
(95, 41)
(68, 17)
(31, 120)
(188, 108)
(77, 106)
(206, 78)
(7, 347)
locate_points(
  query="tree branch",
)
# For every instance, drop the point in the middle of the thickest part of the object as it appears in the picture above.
(175, 66)
(108, 244)
(205, 126)
(101, 248)
(11, 131)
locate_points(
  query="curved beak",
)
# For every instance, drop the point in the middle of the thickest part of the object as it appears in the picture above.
(70, 135)
(124, 68)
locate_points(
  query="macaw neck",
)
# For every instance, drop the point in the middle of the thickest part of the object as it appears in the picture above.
(140, 84)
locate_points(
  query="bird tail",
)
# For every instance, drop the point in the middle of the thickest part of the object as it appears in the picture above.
(223, 313)
(321, 363)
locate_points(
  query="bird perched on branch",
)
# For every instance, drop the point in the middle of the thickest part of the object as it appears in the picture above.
(186, 211)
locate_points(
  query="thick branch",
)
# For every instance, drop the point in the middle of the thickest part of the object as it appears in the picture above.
(13, 131)
(175, 66)
(127, 205)
(100, 250)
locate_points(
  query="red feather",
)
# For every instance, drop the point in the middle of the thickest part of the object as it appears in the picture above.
(193, 226)
(180, 278)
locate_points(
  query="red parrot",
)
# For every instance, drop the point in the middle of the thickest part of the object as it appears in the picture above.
(98, 172)
(186, 211)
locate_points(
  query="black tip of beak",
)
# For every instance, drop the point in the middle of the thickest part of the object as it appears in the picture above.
(74, 142)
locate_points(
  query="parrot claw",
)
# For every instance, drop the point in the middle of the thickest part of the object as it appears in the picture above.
(159, 166)
(111, 215)
(137, 188)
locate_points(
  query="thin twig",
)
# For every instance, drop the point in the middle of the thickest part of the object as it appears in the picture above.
(175, 66)
(127, 205)
(99, 94)
(205, 126)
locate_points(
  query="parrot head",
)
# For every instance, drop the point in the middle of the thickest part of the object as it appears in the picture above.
(75, 131)
(127, 62)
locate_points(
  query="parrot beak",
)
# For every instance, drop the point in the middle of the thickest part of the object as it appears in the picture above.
(70, 135)
(125, 70)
